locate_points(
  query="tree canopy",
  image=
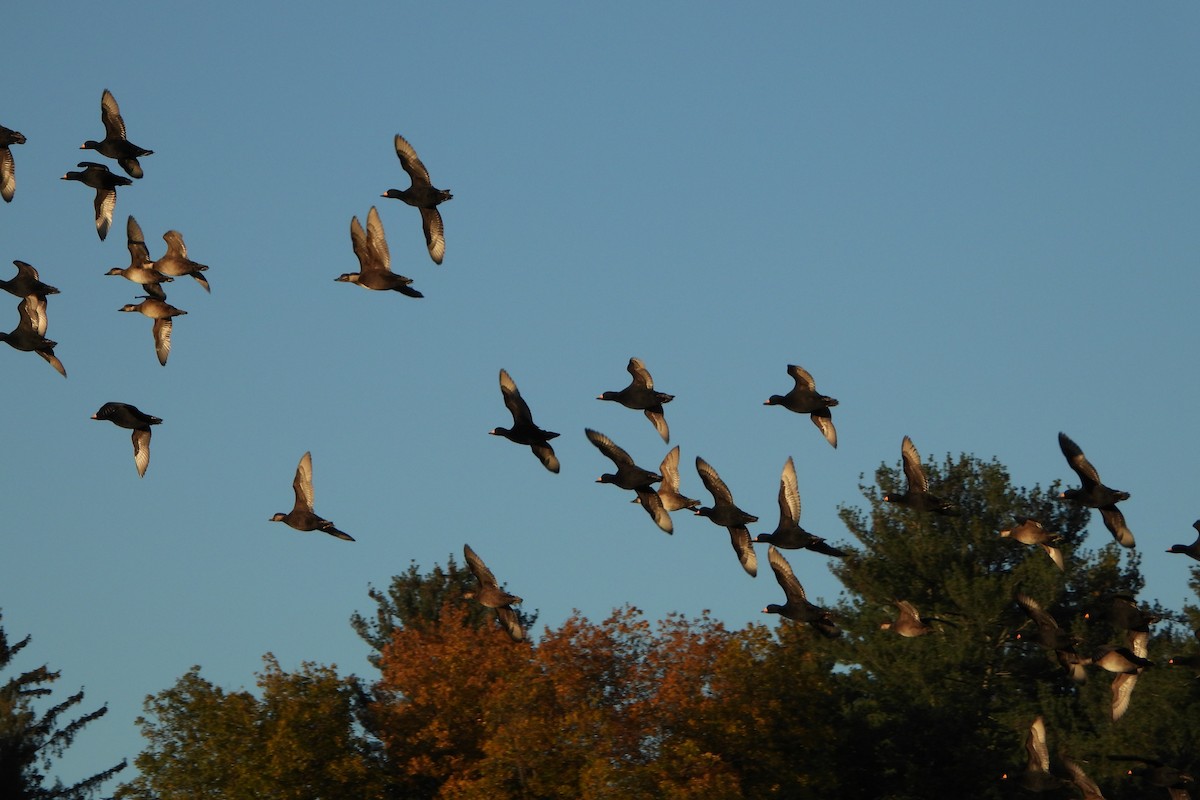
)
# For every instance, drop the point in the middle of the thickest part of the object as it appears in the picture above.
(687, 708)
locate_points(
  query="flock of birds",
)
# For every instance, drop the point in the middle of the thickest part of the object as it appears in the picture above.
(659, 501)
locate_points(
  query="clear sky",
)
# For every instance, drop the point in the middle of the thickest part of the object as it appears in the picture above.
(974, 224)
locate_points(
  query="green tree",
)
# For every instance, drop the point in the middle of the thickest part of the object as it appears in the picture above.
(299, 740)
(30, 742)
(945, 714)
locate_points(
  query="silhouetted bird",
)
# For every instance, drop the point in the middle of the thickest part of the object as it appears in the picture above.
(105, 183)
(724, 513)
(1191, 550)
(490, 595)
(8, 177)
(115, 145)
(1095, 494)
(641, 396)
(788, 534)
(126, 416)
(27, 282)
(424, 196)
(630, 476)
(301, 517)
(30, 333)
(374, 261)
(918, 497)
(1031, 532)
(161, 312)
(805, 399)
(1049, 634)
(175, 261)
(796, 606)
(524, 431)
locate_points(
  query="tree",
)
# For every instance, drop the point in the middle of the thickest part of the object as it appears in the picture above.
(945, 714)
(29, 742)
(300, 740)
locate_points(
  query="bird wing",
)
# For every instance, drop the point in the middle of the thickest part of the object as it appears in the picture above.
(1035, 612)
(411, 163)
(1078, 461)
(917, 482)
(789, 495)
(1035, 746)
(649, 500)
(743, 545)
(659, 421)
(823, 419)
(608, 448)
(1114, 520)
(8, 178)
(513, 401)
(435, 233)
(712, 482)
(641, 376)
(105, 202)
(110, 115)
(139, 254)
(141, 450)
(511, 622)
(175, 245)
(787, 579)
(302, 485)
(53, 361)
(478, 568)
(545, 454)
(908, 611)
(358, 241)
(381, 260)
(802, 377)
(161, 329)
(669, 469)
(32, 312)
(1086, 786)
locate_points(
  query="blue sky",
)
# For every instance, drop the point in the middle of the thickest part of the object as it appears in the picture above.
(975, 225)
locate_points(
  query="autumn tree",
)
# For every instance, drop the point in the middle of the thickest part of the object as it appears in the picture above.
(300, 739)
(31, 741)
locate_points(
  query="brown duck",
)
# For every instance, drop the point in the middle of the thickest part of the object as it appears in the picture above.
(490, 595)
(301, 517)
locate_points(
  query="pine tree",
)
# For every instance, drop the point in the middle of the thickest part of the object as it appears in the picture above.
(30, 742)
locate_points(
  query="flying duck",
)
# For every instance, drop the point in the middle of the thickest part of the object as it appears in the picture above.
(917, 497)
(126, 416)
(424, 196)
(374, 261)
(723, 512)
(301, 517)
(105, 183)
(788, 534)
(1095, 494)
(115, 145)
(641, 396)
(161, 312)
(630, 476)
(490, 595)
(796, 606)
(524, 431)
(805, 399)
